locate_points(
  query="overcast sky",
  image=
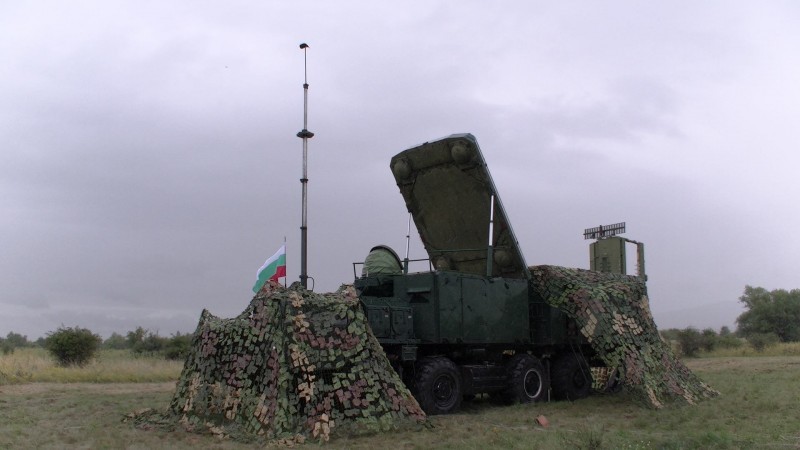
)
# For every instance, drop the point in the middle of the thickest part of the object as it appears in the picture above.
(149, 163)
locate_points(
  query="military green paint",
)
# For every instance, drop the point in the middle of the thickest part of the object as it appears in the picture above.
(494, 311)
(608, 255)
(447, 188)
(547, 310)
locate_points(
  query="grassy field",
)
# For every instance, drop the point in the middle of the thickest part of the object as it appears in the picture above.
(758, 408)
(35, 365)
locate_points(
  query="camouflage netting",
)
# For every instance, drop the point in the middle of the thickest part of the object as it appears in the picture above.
(614, 315)
(294, 364)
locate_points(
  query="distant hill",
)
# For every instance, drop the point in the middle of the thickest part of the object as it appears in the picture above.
(712, 315)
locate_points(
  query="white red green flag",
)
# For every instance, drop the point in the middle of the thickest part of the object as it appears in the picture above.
(273, 268)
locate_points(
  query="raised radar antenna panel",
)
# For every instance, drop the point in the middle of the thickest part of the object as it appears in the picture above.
(604, 231)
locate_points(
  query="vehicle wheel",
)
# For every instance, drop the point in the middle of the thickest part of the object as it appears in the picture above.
(527, 380)
(572, 378)
(437, 385)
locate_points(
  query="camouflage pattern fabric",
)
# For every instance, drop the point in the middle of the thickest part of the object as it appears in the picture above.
(613, 313)
(294, 365)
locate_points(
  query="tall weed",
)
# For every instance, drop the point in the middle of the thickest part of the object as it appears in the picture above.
(777, 349)
(110, 366)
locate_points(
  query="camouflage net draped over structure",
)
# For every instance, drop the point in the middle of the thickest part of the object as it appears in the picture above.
(293, 364)
(614, 315)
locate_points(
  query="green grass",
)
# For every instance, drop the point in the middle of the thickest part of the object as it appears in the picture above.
(779, 349)
(27, 365)
(757, 409)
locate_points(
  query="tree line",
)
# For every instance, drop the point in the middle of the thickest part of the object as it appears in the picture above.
(77, 346)
(769, 317)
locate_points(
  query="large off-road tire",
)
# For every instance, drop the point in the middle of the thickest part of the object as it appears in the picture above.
(527, 380)
(571, 377)
(437, 385)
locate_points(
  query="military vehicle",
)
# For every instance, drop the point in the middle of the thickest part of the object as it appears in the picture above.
(474, 322)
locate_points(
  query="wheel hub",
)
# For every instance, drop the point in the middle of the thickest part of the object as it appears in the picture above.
(443, 389)
(532, 383)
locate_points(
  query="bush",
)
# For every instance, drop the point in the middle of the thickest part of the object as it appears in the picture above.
(13, 341)
(16, 340)
(729, 341)
(690, 341)
(5, 347)
(143, 341)
(709, 340)
(761, 341)
(670, 334)
(72, 346)
(151, 345)
(116, 342)
(178, 345)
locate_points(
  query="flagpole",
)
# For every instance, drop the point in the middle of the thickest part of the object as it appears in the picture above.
(286, 255)
(305, 135)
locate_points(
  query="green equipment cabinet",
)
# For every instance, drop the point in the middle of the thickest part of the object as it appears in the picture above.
(608, 255)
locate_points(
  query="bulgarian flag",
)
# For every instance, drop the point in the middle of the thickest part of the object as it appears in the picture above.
(274, 268)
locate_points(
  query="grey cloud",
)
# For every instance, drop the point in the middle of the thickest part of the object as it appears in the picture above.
(150, 162)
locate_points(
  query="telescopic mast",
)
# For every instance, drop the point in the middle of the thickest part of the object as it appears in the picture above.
(305, 135)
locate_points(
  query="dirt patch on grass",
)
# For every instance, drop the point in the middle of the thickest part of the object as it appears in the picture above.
(93, 388)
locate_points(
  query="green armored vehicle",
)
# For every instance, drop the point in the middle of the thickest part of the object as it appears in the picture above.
(474, 321)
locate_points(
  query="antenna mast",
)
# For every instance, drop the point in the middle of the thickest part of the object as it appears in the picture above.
(305, 135)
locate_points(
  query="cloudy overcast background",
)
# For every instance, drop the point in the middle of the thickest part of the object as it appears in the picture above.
(149, 163)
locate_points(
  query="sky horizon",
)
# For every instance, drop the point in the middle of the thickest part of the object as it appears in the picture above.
(150, 162)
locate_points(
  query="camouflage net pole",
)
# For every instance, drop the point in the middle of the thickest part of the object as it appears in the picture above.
(294, 364)
(614, 315)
